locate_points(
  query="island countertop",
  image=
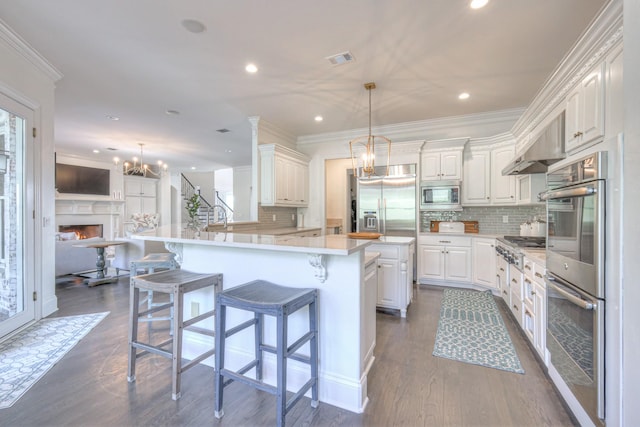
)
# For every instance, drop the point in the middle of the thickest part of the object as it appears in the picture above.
(332, 244)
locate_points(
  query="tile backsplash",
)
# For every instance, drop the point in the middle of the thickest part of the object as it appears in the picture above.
(490, 219)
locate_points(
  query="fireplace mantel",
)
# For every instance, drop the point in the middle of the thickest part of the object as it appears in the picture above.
(88, 206)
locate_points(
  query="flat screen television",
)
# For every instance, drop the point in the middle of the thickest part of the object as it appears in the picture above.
(82, 180)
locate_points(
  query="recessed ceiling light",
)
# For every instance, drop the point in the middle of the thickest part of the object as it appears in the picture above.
(96, 151)
(318, 118)
(172, 112)
(464, 95)
(478, 4)
(114, 118)
(251, 68)
(193, 168)
(227, 151)
(193, 26)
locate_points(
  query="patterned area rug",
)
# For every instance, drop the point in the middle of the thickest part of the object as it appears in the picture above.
(471, 330)
(27, 356)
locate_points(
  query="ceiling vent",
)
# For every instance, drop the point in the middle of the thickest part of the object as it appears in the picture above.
(341, 58)
(223, 130)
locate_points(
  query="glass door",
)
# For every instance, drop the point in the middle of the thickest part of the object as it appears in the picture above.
(17, 306)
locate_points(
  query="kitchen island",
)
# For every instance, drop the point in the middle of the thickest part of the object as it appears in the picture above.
(333, 264)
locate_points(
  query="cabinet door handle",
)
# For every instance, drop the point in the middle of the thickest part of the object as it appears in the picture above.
(514, 281)
(527, 266)
(577, 134)
(515, 307)
(442, 251)
(527, 281)
(533, 292)
(539, 275)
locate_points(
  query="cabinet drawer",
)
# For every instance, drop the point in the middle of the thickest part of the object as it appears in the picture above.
(391, 252)
(445, 240)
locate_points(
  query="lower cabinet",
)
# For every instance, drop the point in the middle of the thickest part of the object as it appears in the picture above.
(515, 284)
(395, 275)
(534, 301)
(444, 258)
(484, 263)
(369, 313)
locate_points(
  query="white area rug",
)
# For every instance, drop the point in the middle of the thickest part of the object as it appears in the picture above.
(27, 356)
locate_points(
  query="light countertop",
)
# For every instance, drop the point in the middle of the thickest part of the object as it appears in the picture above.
(393, 240)
(333, 244)
(539, 256)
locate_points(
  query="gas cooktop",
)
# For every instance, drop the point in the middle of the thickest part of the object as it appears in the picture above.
(524, 241)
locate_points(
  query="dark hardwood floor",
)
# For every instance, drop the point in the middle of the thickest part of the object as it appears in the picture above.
(407, 385)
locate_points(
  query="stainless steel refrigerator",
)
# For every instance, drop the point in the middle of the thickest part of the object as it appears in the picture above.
(387, 204)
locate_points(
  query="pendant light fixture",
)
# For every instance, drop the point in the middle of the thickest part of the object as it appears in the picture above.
(363, 148)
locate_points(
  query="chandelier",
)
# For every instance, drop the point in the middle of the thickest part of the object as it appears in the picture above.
(362, 148)
(139, 168)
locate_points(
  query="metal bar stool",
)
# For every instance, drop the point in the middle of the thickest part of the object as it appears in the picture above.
(176, 283)
(149, 264)
(262, 298)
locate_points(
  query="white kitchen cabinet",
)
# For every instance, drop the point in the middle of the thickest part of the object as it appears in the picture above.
(515, 285)
(395, 275)
(502, 276)
(484, 262)
(368, 313)
(534, 301)
(503, 188)
(528, 187)
(584, 110)
(443, 258)
(441, 165)
(140, 195)
(484, 183)
(284, 176)
(476, 189)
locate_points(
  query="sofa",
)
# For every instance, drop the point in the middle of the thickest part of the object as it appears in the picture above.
(72, 260)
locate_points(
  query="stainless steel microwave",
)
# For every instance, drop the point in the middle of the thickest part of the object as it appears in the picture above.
(440, 196)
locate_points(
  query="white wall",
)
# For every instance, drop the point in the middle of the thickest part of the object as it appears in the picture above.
(242, 190)
(27, 78)
(631, 238)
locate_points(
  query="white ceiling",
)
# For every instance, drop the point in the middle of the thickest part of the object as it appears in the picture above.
(133, 59)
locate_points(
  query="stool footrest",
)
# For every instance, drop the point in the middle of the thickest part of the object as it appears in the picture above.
(197, 360)
(152, 349)
(154, 309)
(299, 357)
(294, 399)
(235, 376)
(240, 327)
(198, 318)
(199, 330)
(296, 345)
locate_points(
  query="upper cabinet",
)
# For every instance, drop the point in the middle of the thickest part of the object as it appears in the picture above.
(503, 188)
(284, 176)
(484, 183)
(441, 165)
(140, 195)
(585, 110)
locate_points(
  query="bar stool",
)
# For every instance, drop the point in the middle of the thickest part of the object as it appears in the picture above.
(262, 298)
(149, 264)
(176, 283)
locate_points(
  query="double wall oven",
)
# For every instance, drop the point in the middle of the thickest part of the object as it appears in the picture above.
(575, 279)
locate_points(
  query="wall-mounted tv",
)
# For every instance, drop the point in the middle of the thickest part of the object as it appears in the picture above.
(82, 180)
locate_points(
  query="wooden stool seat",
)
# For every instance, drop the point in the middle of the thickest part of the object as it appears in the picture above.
(149, 264)
(261, 297)
(175, 283)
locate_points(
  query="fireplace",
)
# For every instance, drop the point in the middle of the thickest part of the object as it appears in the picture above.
(83, 231)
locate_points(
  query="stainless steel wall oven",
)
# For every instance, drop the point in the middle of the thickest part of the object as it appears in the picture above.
(575, 278)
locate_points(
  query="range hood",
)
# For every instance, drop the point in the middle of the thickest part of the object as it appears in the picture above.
(545, 151)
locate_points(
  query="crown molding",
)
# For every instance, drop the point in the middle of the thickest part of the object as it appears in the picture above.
(277, 133)
(17, 43)
(417, 129)
(599, 38)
